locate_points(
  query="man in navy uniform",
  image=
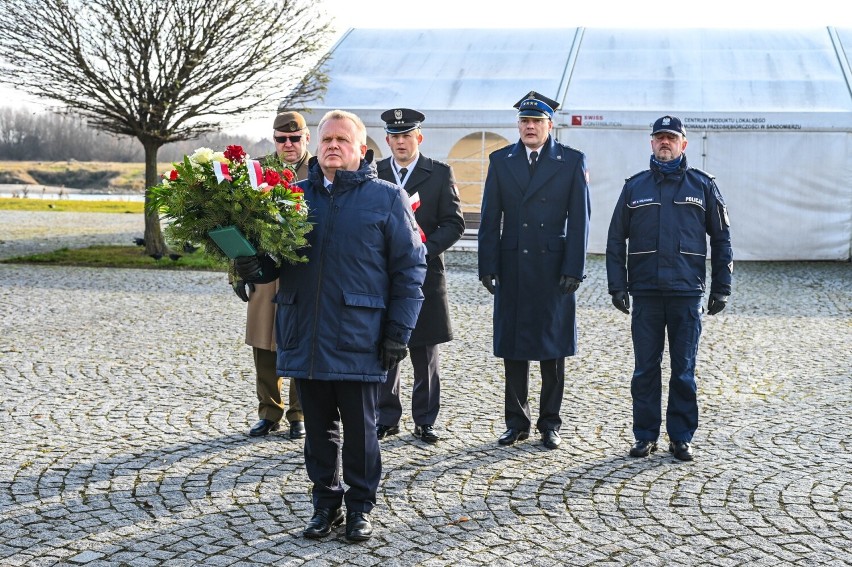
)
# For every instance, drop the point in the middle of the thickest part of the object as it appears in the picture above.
(656, 251)
(533, 236)
(433, 193)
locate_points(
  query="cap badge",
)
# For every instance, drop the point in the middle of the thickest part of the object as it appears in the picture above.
(397, 114)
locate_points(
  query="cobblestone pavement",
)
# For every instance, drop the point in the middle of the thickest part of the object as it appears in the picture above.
(127, 394)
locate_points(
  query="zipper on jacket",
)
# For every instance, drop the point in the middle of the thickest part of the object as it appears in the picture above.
(329, 213)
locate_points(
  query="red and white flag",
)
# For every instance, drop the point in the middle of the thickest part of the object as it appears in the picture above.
(221, 171)
(255, 173)
(415, 204)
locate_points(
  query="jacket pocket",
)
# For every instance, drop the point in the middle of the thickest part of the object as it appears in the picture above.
(287, 319)
(694, 248)
(360, 322)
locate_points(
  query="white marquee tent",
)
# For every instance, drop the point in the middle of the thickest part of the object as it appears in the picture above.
(768, 112)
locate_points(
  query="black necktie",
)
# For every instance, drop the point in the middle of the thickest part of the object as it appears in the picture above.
(402, 173)
(533, 158)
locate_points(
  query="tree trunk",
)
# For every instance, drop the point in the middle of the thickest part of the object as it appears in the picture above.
(155, 243)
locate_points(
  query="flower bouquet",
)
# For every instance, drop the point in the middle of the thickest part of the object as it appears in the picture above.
(210, 191)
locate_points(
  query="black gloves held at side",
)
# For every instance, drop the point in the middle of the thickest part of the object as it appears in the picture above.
(256, 269)
(391, 353)
(490, 281)
(568, 284)
(243, 289)
(716, 303)
(621, 301)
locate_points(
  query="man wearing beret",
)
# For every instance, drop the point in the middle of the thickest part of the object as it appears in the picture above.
(656, 251)
(291, 137)
(431, 187)
(533, 236)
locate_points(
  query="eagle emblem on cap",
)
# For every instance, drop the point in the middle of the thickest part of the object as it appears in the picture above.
(397, 114)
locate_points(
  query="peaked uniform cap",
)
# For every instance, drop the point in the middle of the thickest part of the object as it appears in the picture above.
(535, 105)
(669, 124)
(400, 120)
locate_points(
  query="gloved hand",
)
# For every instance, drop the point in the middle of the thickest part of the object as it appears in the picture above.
(391, 353)
(568, 284)
(716, 303)
(621, 300)
(490, 281)
(248, 268)
(243, 289)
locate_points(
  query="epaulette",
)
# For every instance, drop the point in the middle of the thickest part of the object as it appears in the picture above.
(635, 175)
(702, 172)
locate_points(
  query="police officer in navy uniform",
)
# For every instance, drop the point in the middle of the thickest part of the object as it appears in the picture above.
(656, 252)
(432, 189)
(533, 236)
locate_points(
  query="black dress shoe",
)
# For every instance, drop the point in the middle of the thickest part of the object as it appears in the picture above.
(358, 527)
(263, 427)
(297, 429)
(383, 431)
(513, 435)
(643, 448)
(426, 433)
(681, 449)
(322, 521)
(551, 438)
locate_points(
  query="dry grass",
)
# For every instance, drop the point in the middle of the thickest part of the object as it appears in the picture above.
(114, 176)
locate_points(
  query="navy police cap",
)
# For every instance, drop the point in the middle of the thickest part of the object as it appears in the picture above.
(535, 105)
(668, 124)
(399, 120)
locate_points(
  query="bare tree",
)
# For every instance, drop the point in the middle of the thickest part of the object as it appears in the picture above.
(163, 70)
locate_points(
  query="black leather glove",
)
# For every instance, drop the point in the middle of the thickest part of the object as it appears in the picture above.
(716, 303)
(243, 289)
(490, 281)
(248, 268)
(621, 301)
(256, 269)
(391, 353)
(568, 284)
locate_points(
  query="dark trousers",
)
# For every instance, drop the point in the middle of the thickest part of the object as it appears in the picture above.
(425, 395)
(516, 405)
(652, 317)
(327, 405)
(268, 388)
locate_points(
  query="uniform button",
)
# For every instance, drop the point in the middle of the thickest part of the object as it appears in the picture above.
(541, 225)
(526, 251)
(524, 225)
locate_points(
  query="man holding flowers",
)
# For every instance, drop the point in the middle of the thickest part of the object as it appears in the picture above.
(345, 317)
(291, 136)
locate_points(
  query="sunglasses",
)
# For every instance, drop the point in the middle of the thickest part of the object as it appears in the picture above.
(283, 139)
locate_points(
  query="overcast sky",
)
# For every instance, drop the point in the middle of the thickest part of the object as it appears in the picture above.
(562, 13)
(589, 13)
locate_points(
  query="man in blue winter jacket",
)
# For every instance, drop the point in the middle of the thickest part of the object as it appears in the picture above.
(345, 317)
(656, 251)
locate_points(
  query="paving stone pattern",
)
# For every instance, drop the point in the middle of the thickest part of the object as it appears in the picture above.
(127, 395)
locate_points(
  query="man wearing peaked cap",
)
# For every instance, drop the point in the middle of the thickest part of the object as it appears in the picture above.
(533, 234)
(431, 187)
(666, 213)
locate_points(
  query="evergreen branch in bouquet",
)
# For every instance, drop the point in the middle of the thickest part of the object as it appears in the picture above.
(209, 190)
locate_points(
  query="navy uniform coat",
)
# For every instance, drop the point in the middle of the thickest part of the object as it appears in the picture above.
(544, 235)
(440, 217)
